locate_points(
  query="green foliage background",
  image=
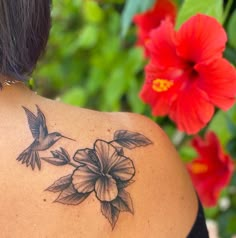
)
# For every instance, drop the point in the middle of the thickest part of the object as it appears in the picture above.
(87, 63)
(91, 62)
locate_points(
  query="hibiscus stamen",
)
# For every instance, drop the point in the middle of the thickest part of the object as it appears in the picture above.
(161, 85)
(199, 168)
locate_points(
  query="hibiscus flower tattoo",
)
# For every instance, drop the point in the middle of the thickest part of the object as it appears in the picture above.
(103, 170)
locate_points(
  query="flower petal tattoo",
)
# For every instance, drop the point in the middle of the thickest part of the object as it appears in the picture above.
(103, 170)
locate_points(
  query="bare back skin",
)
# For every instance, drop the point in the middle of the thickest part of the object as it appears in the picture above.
(161, 196)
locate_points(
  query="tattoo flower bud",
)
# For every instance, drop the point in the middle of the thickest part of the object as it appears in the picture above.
(59, 158)
(102, 170)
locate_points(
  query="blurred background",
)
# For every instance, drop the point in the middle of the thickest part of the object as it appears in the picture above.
(87, 63)
(92, 61)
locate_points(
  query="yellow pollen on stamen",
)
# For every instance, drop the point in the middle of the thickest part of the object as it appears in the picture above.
(199, 168)
(161, 85)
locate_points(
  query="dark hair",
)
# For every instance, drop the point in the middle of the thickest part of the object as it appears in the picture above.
(24, 31)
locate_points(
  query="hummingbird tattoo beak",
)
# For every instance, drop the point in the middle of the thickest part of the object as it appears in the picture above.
(42, 139)
(67, 138)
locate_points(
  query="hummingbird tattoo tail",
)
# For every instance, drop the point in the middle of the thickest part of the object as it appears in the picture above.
(30, 158)
(42, 139)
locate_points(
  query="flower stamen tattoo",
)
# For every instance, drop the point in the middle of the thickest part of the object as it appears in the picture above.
(103, 169)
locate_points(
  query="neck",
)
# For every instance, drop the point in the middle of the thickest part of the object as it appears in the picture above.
(13, 91)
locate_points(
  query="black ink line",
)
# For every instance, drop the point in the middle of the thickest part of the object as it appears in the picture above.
(68, 163)
(103, 169)
(42, 139)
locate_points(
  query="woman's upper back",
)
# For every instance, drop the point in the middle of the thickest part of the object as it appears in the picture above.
(118, 177)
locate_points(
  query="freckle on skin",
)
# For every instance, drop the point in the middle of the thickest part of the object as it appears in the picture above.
(45, 200)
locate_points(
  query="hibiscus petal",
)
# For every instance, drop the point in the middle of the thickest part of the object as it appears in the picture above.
(106, 154)
(106, 188)
(205, 188)
(201, 38)
(112, 162)
(123, 169)
(191, 111)
(160, 105)
(87, 157)
(218, 80)
(162, 46)
(209, 146)
(212, 170)
(84, 179)
(210, 183)
(152, 18)
(160, 101)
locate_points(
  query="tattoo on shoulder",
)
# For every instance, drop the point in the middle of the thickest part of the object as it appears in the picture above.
(103, 169)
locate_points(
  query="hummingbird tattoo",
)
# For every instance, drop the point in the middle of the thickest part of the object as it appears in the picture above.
(42, 139)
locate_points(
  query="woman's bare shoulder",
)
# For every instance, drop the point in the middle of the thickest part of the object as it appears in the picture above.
(161, 184)
(110, 175)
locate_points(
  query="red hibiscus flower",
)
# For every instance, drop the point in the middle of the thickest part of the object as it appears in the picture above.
(152, 18)
(212, 170)
(187, 76)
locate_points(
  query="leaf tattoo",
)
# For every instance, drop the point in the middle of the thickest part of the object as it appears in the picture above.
(61, 184)
(70, 196)
(103, 170)
(110, 212)
(130, 140)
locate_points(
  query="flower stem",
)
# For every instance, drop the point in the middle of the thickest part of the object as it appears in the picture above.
(72, 164)
(110, 142)
(179, 139)
(69, 163)
(44, 158)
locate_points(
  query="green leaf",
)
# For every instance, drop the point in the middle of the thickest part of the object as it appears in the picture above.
(219, 125)
(192, 7)
(131, 8)
(92, 12)
(179, 2)
(113, 1)
(231, 147)
(75, 96)
(211, 212)
(187, 153)
(231, 29)
(114, 90)
(136, 104)
(227, 224)
(227, 9)
(144, 5)
(233, 183)
(88, 37)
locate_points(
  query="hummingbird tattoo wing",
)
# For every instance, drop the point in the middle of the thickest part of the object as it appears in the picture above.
(37, 124)
(42, 139)
(102, 171)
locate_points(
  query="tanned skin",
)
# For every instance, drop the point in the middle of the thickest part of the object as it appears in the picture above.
(119, 176)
